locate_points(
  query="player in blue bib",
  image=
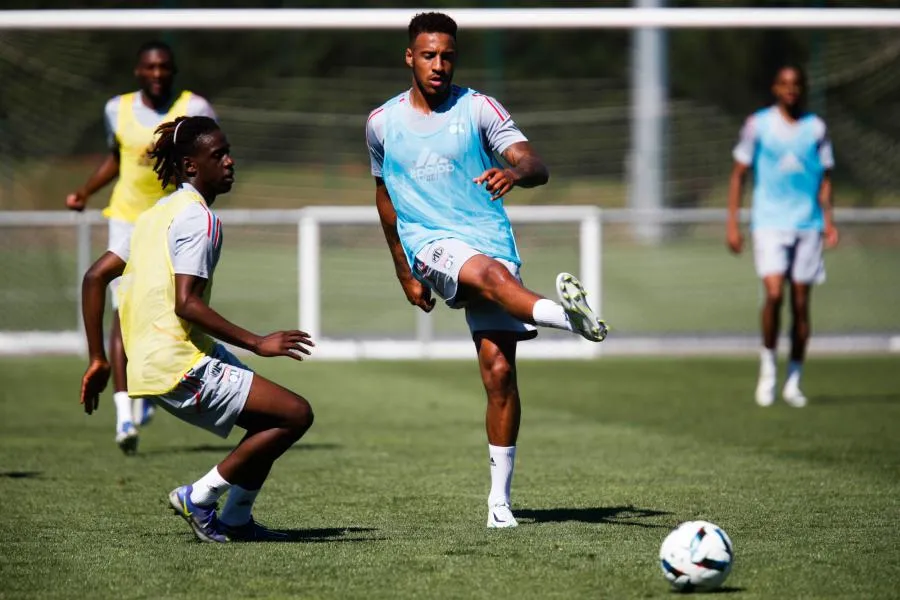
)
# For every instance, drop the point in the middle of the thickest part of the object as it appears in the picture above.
(791, 219)
(439, 190)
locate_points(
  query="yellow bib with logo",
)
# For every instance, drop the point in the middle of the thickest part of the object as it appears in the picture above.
(138, 188)
(161, 347)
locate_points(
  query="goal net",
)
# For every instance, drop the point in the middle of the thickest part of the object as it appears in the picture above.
(294, 101)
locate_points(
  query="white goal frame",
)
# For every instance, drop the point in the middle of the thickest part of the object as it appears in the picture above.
(468, 18)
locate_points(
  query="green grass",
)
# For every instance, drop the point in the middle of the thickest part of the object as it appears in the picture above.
(387, 491)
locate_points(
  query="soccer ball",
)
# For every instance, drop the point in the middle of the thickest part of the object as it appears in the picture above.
(696, 555)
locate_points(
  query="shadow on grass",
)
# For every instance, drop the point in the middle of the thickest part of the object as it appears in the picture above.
(226, 448)
(20, 474)
(725, 589)
(857, 399)
(322, 535)
(612, 515)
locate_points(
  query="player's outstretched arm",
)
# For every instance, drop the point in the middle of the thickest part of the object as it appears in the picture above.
(93, 300)
(825, 201)
(417, 293)
(735, 190)
(106, 172)
(526, 169)
(189, 305)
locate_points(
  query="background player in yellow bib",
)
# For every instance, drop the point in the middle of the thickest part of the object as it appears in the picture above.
(167, 278)
(130, 121)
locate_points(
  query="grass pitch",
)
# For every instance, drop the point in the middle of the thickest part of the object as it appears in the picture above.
(386, 495)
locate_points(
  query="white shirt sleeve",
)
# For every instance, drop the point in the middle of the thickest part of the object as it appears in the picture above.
(826, 152)
(746, 146)
(375, 141)
(498, 129)
(191, 241)
(198, 106)
(110, 117)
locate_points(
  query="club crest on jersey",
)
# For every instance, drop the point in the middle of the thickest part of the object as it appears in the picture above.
(430, 166)
(456, 128)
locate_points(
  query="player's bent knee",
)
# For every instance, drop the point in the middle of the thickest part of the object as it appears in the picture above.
(300, 417)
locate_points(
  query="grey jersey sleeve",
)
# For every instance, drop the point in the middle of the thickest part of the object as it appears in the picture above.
(375, 141)
(191, 241)
(198, 106)
(826, 152)
(745, 149)
(110, 117)
(498, 129)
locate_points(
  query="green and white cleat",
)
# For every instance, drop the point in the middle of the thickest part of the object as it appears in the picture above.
(574, 301)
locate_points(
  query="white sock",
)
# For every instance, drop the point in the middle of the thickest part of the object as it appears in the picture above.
(238, 506)
(209, 488)
(767, 368)
(123, 408)
(795, 370)
(548, 313)
(503, 460)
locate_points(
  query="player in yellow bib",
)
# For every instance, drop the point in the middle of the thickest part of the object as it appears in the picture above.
(130, 121)
(167, 278)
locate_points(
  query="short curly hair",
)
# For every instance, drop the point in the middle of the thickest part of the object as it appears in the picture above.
(431, 22)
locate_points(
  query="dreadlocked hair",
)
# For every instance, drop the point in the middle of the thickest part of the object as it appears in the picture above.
(177, 140)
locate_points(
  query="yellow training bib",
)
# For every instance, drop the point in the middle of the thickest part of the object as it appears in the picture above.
(161, 347)
(138, 188)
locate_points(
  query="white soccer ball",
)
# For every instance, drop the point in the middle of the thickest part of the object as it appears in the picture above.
(697, 555)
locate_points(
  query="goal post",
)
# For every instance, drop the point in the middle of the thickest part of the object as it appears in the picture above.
(469, 18)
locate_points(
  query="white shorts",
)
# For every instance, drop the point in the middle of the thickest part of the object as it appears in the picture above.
(438, 264)
(119, 237)
(796, 255)
(212, 394)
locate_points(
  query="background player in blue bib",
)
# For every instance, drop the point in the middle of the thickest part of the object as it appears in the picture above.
(791, 218)
(439, 190)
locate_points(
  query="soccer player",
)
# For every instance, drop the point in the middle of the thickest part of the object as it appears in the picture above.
(166, 320)
(130, 120)
(439, 190)
(791, 219)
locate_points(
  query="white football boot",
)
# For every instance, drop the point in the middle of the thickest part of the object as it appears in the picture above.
(582, 317)
(793, 396)
(765, 391)
(500, 517)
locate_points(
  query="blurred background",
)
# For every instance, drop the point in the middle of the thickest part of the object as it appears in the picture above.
(294, 105)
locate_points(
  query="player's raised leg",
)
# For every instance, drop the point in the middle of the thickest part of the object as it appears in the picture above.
(770, 317)
(800, 330)
(491, 280)
(497, 363)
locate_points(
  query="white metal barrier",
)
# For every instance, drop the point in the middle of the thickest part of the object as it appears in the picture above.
(309, 221)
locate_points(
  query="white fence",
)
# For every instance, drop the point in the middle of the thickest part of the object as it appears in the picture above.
(590, 222)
